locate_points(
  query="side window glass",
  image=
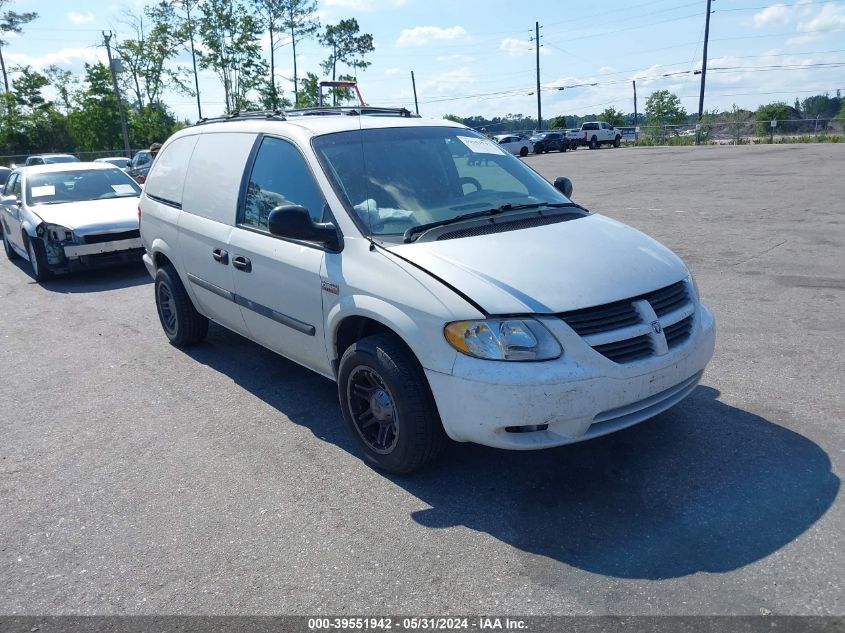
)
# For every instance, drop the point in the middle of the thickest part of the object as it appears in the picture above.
(10, 185)
(280, 177)
(16, 187)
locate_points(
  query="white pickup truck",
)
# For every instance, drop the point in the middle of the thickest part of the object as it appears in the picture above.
(597, 133)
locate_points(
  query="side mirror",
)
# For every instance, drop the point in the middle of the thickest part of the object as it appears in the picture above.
(295, 222)
(9, 201)
(564, 185)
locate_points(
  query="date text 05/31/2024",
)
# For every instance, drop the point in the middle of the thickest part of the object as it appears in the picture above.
(416, 624)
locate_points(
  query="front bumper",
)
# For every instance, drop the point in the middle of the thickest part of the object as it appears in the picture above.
(102, 255)
(576, 397)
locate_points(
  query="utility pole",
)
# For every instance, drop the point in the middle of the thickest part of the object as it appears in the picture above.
(194, 58)
(636, 134)
(414, 84)
(107, 40)
(703, 74)
(539, 106)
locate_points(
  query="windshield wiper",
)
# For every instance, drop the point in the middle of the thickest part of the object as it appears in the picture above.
(422, 228)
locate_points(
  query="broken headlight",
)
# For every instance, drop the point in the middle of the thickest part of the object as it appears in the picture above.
(55, 233)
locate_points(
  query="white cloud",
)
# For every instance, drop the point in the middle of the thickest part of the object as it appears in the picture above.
(392, 72)
(422, 35)
(774, 14)
(830, 18)
(448, 82)
(65, 57)
(80, 18)
(518, 48)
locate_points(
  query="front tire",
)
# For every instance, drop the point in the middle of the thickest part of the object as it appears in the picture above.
(617, 141)
(388, 406)
(181, 322)
(37, 259)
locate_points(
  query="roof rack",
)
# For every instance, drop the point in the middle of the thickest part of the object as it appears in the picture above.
(282, 115)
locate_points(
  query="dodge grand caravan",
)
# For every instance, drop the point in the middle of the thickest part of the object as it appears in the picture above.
(445, 286)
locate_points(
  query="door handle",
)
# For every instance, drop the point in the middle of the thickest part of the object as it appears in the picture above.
(220, 256)
(242, 263)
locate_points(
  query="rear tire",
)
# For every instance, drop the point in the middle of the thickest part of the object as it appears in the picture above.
(594, 143)
(181, 322)
(523, 151)
(388, 406)
(11, 253)
(37, 259)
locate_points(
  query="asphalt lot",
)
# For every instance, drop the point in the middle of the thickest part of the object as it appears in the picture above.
(139, 479)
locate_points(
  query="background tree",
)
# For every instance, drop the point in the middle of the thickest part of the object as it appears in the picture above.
(65, 83)
(613, 116)
(28, 87)
(453, 117)
(663, 108)
(158, 38)
(95, 123)
(188, 31)
(299, 21)
(230, 36)
(11, 22)
(347, 47)
(778, 111)
(270, 17)
(737, 123)
(820, 106)
(308, 88)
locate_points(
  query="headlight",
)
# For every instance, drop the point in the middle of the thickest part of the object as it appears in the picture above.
(55, 232)
(503, 339)
(694, 285)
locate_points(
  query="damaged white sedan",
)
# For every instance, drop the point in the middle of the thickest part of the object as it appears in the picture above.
(70, 216)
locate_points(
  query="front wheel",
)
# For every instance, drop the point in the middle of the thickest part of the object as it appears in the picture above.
(37, 259)
(388, 406)
(181, 322)
(617, 141)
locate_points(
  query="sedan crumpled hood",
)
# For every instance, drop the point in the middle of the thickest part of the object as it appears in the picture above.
(548, 269)
(92, 216)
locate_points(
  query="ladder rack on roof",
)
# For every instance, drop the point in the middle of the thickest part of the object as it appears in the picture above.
(283, 115)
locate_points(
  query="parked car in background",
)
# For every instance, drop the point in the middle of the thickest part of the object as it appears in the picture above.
(4, 175)
(445, 296)
(117, 161)
(548, 141)
(597, 133)
(50, 159)
(65, 217)
(514, 144)
(139, 166)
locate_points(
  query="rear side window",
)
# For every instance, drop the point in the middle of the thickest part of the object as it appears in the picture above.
(168, 177)
(215, 174)
(13, 187)
(280, 177)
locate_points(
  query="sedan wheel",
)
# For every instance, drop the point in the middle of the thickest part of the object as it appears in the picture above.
(37, 259)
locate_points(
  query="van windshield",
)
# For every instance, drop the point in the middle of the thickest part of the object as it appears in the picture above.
(394, 179)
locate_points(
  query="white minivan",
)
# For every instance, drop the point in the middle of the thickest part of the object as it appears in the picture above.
(445, 286)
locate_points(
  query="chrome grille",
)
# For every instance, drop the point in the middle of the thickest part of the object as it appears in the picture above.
(625, 331)
(626, 350)
(678, 332)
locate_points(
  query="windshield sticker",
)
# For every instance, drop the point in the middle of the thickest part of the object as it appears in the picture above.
(480, 145)
(43, 191)
(123, 188)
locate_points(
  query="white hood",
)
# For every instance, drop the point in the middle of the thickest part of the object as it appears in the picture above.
(548, 269)
(92, 216)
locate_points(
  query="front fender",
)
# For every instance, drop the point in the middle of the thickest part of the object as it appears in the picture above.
(422, 333)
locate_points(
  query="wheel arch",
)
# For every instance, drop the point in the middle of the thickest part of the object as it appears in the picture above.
(358, 316)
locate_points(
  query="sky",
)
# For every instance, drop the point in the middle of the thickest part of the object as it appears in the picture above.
(478, 58)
